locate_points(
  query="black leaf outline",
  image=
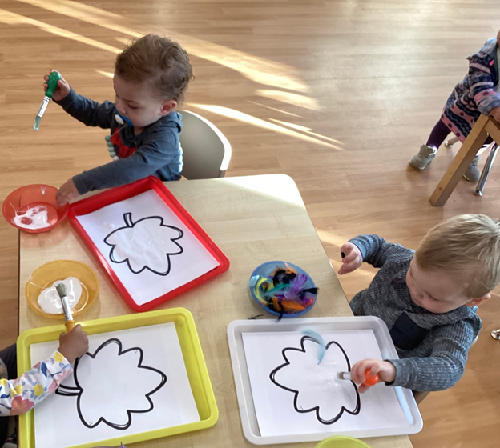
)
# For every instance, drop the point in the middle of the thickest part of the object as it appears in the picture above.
(343, 409)
(78, 390)
(127, 217)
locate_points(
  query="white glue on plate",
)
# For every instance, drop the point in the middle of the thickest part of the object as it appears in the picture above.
(33, 218)
(50, 301)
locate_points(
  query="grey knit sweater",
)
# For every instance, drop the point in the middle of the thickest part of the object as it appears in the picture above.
(433, 347)
(155, 151)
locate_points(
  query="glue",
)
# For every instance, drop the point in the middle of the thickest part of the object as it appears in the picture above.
(33, 218)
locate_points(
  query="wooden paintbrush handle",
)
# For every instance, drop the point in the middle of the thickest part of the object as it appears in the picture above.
(70, 324)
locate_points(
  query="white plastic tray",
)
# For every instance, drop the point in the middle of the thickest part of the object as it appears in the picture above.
(244, 391)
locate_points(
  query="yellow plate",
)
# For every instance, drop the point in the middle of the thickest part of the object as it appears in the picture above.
(47, 274)
(191, 351)
(341, 442)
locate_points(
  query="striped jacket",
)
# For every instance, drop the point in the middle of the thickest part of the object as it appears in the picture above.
(476, 94)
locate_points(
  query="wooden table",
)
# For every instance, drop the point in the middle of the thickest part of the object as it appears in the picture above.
(253, 219)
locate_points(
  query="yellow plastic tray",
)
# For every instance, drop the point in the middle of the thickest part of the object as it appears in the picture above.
(193, 359)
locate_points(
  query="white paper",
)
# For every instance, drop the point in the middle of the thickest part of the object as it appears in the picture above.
(143, 231)
(114, 384)
(313, 386)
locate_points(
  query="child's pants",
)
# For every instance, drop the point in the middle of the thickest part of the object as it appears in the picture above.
(439, 134)
(9, 357)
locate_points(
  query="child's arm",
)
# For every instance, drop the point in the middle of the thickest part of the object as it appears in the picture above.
(87, 111)
(440, 371)
(20, 395)
(158, 150)
(482, 85)
(83, 109)
(370, 248)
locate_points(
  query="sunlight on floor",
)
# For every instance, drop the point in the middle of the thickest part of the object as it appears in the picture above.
(11, 18)
(291, 98)
(305, 130)
(106, 74)
(331, 238)
(245, 118)
(273, 108)
(255, 68)
(84, 13)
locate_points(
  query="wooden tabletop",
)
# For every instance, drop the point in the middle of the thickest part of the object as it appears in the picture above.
(253, 219)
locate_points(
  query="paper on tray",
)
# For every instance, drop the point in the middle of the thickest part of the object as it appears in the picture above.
(123, 390)
(292, 394)
(149, 248)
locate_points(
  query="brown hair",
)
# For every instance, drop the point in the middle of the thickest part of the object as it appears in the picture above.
(466, 245)
(158, 61)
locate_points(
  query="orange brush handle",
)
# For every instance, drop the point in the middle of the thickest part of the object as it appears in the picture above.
(70, 324)
(369, 379)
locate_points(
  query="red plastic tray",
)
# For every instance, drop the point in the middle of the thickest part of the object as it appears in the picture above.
(118, 194)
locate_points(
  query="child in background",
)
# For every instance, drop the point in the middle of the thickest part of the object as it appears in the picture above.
(477, 94)
(19, 395)
(427, 298)
(151, 76)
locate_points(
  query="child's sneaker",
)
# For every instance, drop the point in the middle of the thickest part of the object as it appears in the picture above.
(11, 442)
(473, 174)
(423, 158)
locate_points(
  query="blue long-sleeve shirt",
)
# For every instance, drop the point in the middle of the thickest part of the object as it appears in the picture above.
(155, 151)
(433, 348)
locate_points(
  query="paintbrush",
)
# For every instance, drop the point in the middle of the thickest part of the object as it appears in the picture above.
(61, 290)
(54, 78)
(370, 380)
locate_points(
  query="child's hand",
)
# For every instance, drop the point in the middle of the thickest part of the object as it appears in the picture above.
(67, 192)
(495, 113)
(74, 344)
(384, 369)
(352, 259)
(62, 89)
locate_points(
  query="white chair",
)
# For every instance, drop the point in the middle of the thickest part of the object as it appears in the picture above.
(207, 151)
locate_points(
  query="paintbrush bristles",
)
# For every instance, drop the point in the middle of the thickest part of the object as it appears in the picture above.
(343, 375)
(61, 290)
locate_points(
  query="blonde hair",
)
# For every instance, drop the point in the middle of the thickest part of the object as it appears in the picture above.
(466, 245)
(158, 61)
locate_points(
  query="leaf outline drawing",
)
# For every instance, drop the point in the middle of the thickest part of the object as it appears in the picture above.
(78, 391)
(127, 218)
(316, 409)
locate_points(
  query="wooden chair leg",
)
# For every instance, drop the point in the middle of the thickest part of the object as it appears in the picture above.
(486, 170)
(462, 160)
(419, 396)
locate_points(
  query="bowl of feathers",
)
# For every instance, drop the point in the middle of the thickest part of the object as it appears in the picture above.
(283, 289)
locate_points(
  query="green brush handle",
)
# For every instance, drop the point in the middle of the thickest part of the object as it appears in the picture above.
(54, 78)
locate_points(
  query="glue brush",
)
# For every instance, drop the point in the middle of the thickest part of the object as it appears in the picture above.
(370, 380)
(61, 290)
(54, 78)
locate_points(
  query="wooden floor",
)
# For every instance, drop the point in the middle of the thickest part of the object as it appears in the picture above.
(337, 94)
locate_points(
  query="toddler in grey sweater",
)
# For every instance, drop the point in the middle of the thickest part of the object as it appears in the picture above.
(428, 299)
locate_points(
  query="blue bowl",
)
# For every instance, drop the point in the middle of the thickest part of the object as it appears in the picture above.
(264, 270)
